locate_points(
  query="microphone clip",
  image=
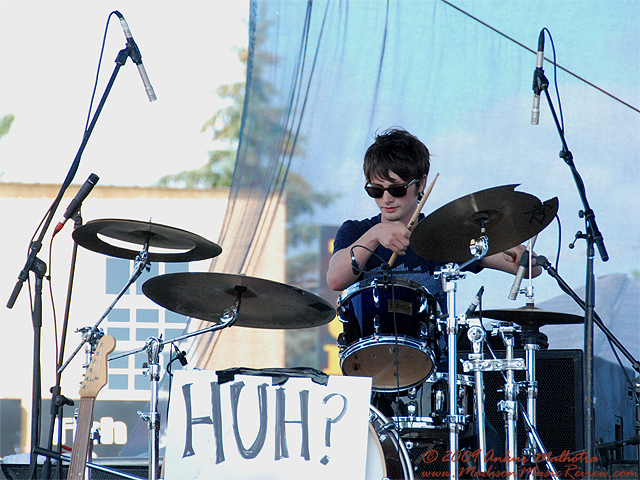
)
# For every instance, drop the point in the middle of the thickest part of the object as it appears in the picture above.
(540, 81)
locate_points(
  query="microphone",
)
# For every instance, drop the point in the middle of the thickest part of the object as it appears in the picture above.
(538, 80)
(182, 357)
(136, 57)
(73, 207)
(524, 263)
(475, 302)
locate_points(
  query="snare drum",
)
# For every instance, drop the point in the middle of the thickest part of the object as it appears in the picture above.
(389, 334)
(421, 413)
(387, 456)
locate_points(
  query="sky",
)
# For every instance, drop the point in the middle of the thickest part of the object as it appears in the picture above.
(188, 48)
(49, 52)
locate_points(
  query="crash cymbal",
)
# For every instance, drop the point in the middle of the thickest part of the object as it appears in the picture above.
(264, 304)
(509, 218)
(193, 247)
(532, 317)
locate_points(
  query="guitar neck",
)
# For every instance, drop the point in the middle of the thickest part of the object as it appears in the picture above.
(81, 441)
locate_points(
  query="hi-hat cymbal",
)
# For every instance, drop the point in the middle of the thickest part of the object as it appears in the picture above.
(264, 304)
(193, 247)
(532, 317)
(509, 218)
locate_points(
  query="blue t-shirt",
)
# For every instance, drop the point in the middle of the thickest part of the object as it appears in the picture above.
(410, 266)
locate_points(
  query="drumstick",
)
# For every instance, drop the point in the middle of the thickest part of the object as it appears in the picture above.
(415, 215)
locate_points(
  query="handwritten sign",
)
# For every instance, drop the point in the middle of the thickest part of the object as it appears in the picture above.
(248, 428)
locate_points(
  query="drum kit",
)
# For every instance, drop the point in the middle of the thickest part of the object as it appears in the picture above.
(395, 333)
(394, 330)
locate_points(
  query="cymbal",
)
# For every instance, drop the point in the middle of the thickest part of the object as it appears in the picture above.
(194, 247)
(532, 317)
(509, 218)
(264, 304)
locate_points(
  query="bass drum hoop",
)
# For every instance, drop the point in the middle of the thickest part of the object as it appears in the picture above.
(387, 447)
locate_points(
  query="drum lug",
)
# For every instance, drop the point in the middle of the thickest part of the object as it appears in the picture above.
(376, 325)
(424, 305)
(342, 343)
(341, 310)
(424, 330)
(376, 296)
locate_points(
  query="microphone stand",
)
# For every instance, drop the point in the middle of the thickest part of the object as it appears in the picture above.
(58, 401)
(39, 268)
(592, 236)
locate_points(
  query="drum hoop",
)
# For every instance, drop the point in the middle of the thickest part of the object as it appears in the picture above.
(401, 448)
(402, 340)
(364, 284)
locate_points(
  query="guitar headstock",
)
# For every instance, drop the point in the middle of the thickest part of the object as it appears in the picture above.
(95, 376)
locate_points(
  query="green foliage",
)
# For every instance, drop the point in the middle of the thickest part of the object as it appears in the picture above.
(5, 124)
(301, 199)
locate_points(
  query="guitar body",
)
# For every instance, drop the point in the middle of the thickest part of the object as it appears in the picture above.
(95, 378)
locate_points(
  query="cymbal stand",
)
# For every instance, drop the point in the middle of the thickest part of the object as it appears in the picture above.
(477, 335)
(530, 348)
(141, 264)
(509, 405)
(533, 435)
(449, 274)
(153, 347)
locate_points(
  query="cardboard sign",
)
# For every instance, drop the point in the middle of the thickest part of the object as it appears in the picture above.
(248, 428)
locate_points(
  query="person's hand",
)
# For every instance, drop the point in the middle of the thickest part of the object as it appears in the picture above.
(393, 235)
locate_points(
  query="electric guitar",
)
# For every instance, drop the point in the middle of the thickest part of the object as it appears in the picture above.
(95, 377)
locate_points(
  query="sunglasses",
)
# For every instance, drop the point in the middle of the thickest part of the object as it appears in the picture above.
(394, 190)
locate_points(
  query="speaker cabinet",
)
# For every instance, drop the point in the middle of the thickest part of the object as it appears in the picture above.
(559, 412)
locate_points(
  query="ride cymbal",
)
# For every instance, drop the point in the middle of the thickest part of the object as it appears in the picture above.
(508, 217)
(532, 317)
(194, 247)
(264, 303)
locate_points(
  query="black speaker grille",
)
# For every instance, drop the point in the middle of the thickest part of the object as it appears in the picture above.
(559, 402)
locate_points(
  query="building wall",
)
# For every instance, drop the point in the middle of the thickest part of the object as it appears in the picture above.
(98, 280)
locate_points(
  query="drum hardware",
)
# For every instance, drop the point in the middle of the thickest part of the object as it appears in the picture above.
(533, 435)
(477, 335)
(140, 265)
(266, 304)
(148, 235)
(510, 403)
(421, 413)
(154, 346)
(521, 323)
(449, 274)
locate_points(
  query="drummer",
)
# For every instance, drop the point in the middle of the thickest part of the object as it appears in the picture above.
(396, 168)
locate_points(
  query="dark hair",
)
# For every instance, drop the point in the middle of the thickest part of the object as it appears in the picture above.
(398, 151)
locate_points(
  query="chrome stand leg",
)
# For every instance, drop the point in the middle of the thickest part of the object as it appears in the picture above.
(477, 335)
